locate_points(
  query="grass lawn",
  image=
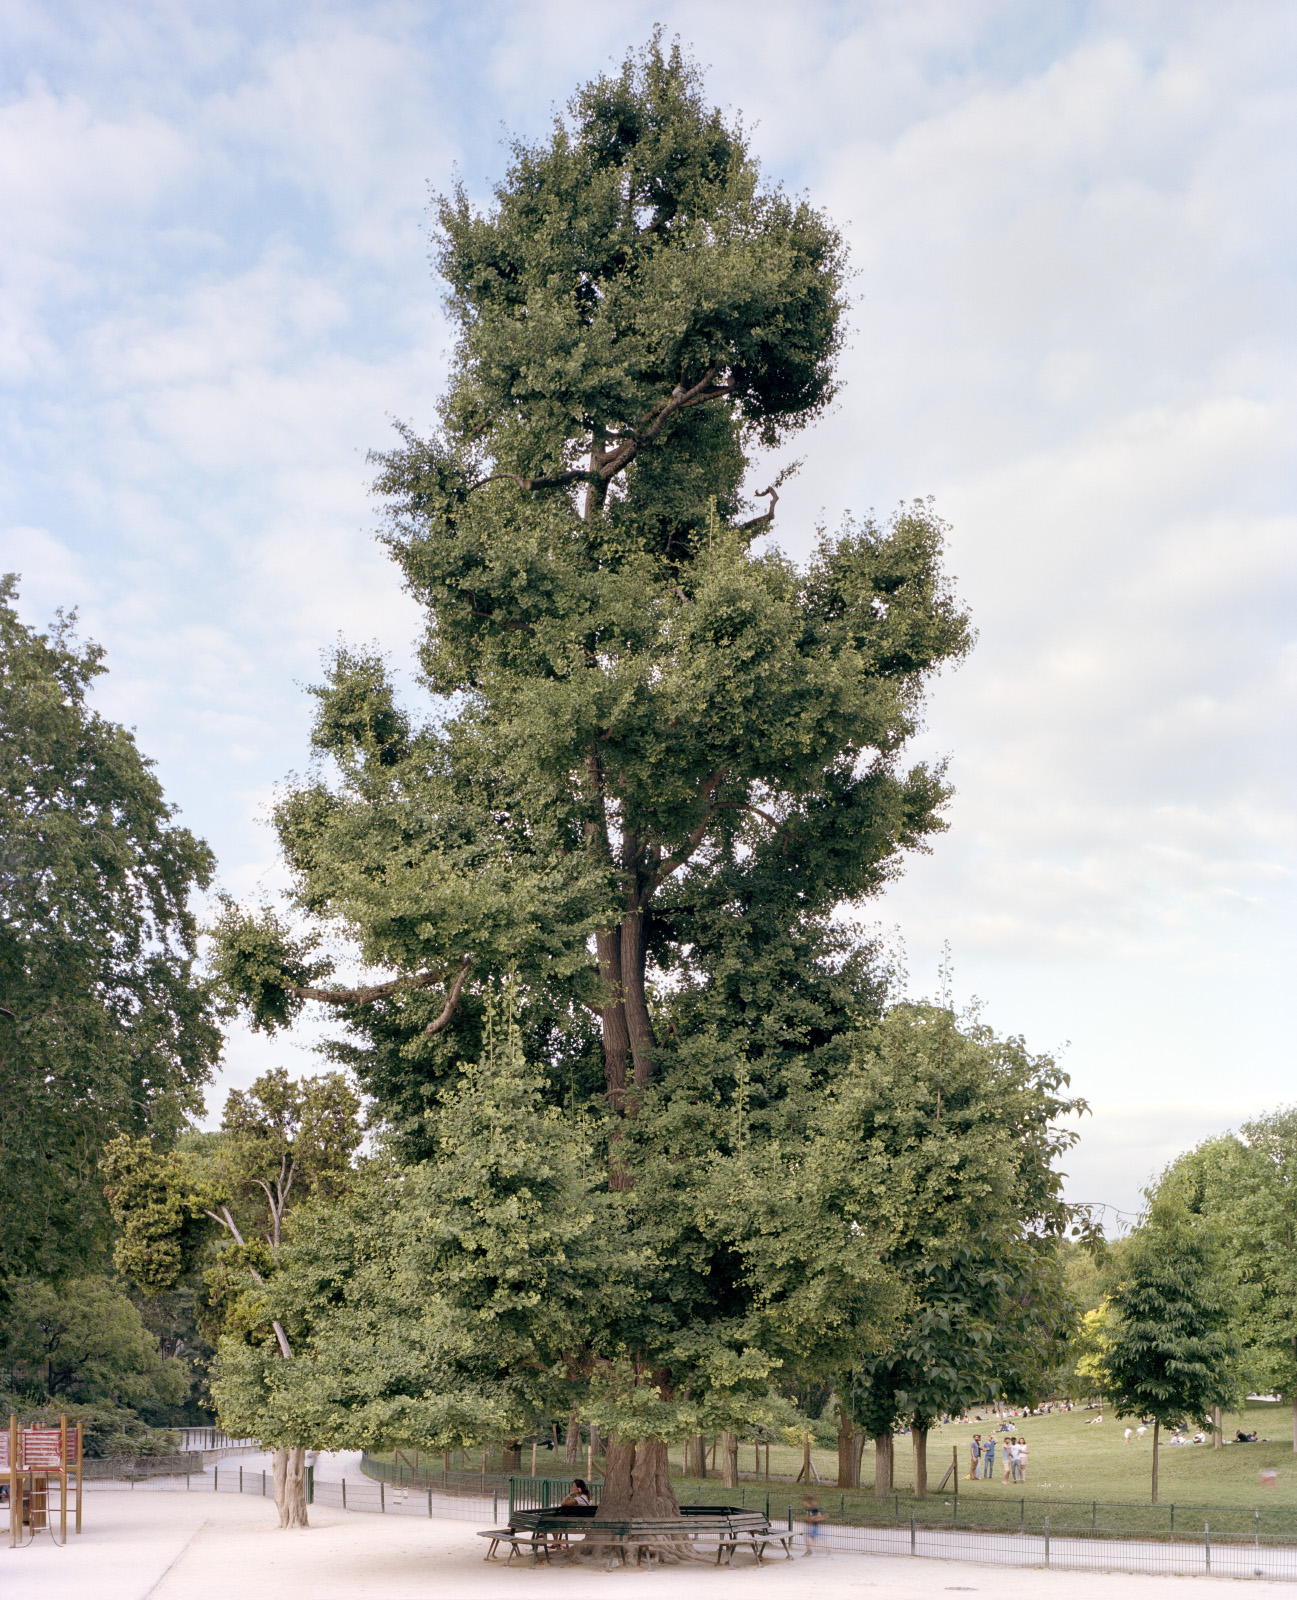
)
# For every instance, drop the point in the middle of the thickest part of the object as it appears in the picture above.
(1082, 1476)
(1069, 1461)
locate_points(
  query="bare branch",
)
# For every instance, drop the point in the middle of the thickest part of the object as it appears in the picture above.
(768, 515)
(226, 1221)
(452, 999)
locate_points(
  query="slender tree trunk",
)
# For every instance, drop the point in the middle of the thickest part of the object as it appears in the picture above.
(1217, 1437)
(639, 1027)
(857, 1451)
(696, 1456)
(572, 1444)
(729, 1460)
(846, 1450)
(919, 1438)
(883, 1465)
(1294, 1422)
(1156, 1429)
(290, 1487)
(616, 1041)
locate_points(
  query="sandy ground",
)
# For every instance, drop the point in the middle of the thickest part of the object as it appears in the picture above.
(176, 1546)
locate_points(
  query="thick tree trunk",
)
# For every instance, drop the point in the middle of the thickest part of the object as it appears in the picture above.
(636, 1481)
(857, 1453)
(572, 1444)
(846, 1450)
(729, 1460)
(883, 1465)
(513, 1456)
(919, 1437)
(1157, 1426)
(696, 1456)
(290, 1487)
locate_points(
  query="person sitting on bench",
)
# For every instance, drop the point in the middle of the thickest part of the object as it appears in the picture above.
(579, 1495)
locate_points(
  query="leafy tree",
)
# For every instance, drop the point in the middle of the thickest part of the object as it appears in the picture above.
(665, 750)
(83, 1340)
(282, 1141)
(444, 1302)
(947, 1135)
(1171, 1352)
(1244, 1187)
(1093, 1339)
(104, 1027)
(663, 755)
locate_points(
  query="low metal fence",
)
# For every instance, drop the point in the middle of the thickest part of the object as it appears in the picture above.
(1204, 1550)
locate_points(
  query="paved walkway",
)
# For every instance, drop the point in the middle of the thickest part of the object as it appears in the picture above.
(177, 1546)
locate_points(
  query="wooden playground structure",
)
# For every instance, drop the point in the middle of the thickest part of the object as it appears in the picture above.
(29, 1459)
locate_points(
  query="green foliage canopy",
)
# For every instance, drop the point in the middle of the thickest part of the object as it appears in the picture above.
(665, 754)
(104, 1026)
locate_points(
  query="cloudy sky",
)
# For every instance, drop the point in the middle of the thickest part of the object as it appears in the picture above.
(1072, 227)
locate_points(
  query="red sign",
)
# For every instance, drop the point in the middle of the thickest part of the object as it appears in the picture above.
(41, 1450)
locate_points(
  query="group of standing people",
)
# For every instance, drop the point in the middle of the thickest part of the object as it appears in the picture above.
(981, 1454)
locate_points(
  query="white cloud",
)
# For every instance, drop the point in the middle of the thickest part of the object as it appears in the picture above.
(1072, 231)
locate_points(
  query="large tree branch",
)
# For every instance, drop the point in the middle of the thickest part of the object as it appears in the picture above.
(742, 805)
(606, 464)
(364, 996)
(452, 999)
(675, 862)
(281, 1338)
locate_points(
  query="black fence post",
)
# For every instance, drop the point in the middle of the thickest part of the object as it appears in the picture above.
(913, 1551)
(1047, 1538)
(310, 1486)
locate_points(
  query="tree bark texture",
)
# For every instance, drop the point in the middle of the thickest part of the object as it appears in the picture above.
(883, 1465)
(696, 1456)
(1156, 1430)
(290, 1487)
(729, 1460)
(850, 1444)
(919, 1438)
(1217, 1437)
(572, 1444)
(636, 1481)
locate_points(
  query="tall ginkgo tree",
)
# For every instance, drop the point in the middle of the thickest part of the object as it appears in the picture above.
(663, 754)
